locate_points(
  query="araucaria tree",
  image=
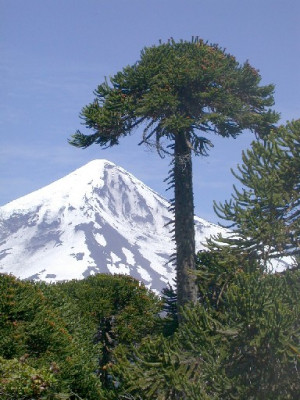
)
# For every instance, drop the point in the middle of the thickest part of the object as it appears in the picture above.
(265, 213)
(180, 93)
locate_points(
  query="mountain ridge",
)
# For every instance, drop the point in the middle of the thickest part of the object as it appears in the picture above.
(98, 218)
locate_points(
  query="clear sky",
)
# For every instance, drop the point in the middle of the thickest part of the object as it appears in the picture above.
(54, 53)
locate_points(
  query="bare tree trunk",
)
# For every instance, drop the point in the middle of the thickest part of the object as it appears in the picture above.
(184, 222)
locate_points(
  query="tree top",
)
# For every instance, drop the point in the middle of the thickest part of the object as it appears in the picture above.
(175, 87)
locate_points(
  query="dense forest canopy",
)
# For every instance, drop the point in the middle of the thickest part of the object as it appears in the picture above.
(106, 337)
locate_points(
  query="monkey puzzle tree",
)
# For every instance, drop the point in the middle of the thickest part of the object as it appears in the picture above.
(178, 92)
(265, 213)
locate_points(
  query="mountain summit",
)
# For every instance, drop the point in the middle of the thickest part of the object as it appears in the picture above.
(99, 218)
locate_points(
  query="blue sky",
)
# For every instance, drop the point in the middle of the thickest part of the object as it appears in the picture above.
(54, 53)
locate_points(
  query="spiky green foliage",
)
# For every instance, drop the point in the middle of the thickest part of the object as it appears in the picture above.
(57, 340)
(180, 93)
(244, 344)
(263, 358)
(170, 321)
(122, 297)
(175, 88)
(100, 338)
(121, 310)
(47, 336)
(20, 381)
(265, 213)
(216, 270)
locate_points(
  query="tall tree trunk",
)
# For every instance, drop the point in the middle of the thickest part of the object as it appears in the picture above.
(184, 222)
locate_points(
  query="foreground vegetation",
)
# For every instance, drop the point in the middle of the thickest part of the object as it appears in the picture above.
(106, 338)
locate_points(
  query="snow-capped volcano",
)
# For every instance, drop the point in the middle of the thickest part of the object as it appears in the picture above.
(99, 218)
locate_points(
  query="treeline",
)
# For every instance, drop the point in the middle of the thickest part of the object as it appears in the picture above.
(107, 337)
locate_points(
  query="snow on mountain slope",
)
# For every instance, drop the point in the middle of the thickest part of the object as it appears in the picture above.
(99, 218)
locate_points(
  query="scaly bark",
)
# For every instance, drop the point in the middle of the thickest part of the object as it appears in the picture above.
(184, 222)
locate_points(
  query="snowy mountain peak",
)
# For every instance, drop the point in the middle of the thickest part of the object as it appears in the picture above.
(99, 218)
(68, 185)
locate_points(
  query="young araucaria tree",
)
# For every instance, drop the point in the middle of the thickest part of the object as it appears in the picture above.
(180, 93)
(265, 213)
